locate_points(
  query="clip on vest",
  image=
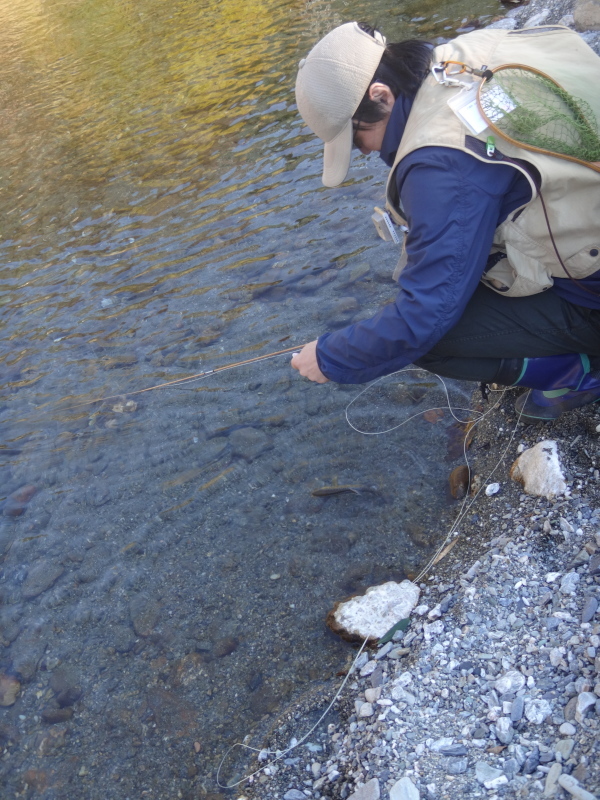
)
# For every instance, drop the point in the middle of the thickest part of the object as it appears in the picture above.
(384, 226)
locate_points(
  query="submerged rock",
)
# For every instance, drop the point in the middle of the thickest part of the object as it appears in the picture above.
(372, 615)
(9, 689)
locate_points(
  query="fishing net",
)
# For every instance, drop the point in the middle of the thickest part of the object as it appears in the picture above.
(530, 109)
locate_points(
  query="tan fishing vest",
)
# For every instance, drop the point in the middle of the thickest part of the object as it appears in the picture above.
(571, 191)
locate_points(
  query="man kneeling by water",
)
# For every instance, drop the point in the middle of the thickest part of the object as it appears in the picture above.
(500, 280)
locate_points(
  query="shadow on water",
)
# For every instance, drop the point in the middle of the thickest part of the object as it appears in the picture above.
(166, 567)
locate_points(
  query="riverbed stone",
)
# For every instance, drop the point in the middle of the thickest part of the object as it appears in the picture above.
(9, 690)
(572, 786)
(564, 747)
(551, 785)
(504, 730)
(585, 701)
(368, 791)
(249, 443)
(590, 607)
(294, 794)
(536, 711)
(490, 777)
(404, 789)
(42, 575)
(511, 681)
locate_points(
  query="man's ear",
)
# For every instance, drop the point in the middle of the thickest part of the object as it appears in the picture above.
(381, 93)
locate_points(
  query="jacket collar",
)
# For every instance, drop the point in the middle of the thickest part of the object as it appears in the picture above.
(395, 129)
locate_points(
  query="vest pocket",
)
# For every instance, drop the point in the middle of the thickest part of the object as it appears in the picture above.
(585, 262)
(503, 277)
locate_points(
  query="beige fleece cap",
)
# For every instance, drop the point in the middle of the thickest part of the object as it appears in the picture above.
(331, 82)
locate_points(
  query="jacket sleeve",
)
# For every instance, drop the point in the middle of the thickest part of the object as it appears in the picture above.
(453, 204)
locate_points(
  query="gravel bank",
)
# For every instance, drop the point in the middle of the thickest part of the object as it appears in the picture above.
(494, 690)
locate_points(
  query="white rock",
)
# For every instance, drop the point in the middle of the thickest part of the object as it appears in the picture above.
(556, 656)
(551, 786)
(379, 609)
(369, 791)
(568, 21)
(368, 668)
(372, 695)
(539, 470)
(568, 584)
(537, 19)
(536, 711)
(404, 789)
(504, 730)
(404, 679)
(569, 783)
(567, 729)
(511, 681)
(492, 488)
(439, 744)
(365, 710)
(490, 777)
(432, 629)
(585, 701)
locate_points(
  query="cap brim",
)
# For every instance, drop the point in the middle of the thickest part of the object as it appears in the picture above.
(337, 156)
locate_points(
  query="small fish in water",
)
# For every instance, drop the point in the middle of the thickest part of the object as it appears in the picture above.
(328, 491)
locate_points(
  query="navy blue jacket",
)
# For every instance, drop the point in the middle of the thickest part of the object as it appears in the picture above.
(453, 203)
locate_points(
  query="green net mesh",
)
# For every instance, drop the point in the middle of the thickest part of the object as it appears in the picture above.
(535, 111)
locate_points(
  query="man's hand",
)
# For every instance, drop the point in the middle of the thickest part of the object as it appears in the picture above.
(306, 363)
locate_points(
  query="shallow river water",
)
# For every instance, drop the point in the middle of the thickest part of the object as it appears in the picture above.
(166, 569)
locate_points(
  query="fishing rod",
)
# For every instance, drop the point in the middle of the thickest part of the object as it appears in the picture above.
(190, 378)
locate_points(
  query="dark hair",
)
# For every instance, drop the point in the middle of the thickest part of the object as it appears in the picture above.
(403, 67)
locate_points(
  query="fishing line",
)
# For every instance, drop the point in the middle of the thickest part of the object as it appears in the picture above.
(465, 508)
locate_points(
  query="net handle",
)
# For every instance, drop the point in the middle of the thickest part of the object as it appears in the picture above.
(595, 165)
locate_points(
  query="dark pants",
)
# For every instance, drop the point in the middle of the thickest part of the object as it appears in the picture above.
(494, 328)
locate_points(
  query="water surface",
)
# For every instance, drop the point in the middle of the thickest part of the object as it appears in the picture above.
(166, 568)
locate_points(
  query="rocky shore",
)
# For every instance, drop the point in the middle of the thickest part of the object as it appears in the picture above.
(494, 690)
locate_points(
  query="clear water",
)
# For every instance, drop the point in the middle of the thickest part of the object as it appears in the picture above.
(166, 570)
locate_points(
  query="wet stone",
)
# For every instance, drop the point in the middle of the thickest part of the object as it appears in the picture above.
(249, 443)
(122, 638)
(26, 653)
(55, 715)
(225, 646)
(41, 577)
(17, 501)
(9, 690)
(48, 744)
(144, 613)
(64, 683)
